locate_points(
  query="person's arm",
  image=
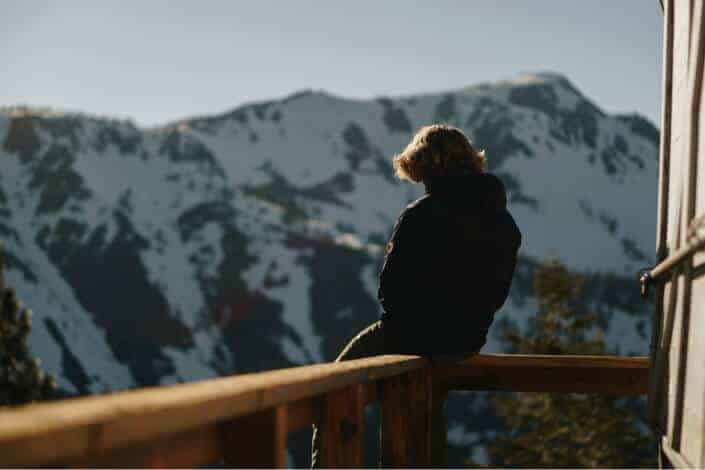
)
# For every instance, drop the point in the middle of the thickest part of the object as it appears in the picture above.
(506, 262)
(400, 259)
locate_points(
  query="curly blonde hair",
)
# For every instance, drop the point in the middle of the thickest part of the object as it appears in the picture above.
(438, 150)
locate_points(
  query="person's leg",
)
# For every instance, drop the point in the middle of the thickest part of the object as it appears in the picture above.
(369, 342)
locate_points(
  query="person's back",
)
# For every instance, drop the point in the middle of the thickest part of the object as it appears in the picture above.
(448, 266)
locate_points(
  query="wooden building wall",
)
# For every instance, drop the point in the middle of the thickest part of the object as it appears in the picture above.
(677, 395)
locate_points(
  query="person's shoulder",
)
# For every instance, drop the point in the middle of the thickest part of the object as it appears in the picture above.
(495, 189)
(413, 211)
(493, 181)
(417, 208)
(418, 204)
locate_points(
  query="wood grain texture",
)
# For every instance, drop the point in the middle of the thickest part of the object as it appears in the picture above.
(257, 440)
(406, 420)
(342, 426)
(302, 413)
(189, 449)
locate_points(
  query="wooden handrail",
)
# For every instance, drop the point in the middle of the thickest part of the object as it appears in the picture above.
(197, 423)
(546, 373)
(52, 432)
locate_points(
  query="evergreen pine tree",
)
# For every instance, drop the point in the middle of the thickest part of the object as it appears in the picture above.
(21, 378)
(566, 430)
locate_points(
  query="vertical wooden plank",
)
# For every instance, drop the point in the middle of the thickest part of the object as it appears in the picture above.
(656, 376)
(665, 141)
(680, 12)
(689, 443)
(301, 413)
(693, 423)
(680, 137)
(406, 420)
(257, 440)
(342, 425)
(439, 426)
(696, 385)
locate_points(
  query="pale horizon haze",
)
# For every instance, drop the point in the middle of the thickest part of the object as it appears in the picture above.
(158, 61)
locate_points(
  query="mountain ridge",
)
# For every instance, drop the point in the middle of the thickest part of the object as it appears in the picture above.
(542, 77)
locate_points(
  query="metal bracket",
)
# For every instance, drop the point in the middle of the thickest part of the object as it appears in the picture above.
(646, 281)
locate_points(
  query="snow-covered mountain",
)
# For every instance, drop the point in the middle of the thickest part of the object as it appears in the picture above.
(252, 240)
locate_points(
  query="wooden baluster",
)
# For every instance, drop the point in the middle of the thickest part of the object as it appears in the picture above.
(439, 426)
(257, 440)
(341, 426)
(406, 420)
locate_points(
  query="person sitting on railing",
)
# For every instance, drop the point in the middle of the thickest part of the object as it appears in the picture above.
(450, 260)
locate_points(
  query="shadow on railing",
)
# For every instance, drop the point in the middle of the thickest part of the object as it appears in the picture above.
(244, 420)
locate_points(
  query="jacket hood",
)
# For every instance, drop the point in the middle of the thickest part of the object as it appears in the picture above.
(482, 191)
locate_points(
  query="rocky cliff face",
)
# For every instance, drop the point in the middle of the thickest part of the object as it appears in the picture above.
(252, 240)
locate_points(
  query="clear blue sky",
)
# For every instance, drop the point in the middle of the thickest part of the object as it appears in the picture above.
(157, 61)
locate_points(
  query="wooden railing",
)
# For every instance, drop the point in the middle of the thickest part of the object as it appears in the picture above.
(244, 420)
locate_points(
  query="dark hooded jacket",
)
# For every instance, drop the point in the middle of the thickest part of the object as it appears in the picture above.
(448, 267)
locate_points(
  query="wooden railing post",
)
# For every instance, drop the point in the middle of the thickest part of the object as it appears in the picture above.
(406, 404)
(439, 424)
(341, 426)
(257, 440)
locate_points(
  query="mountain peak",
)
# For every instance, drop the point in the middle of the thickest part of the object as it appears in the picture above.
(30, 111)
(545, 78)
